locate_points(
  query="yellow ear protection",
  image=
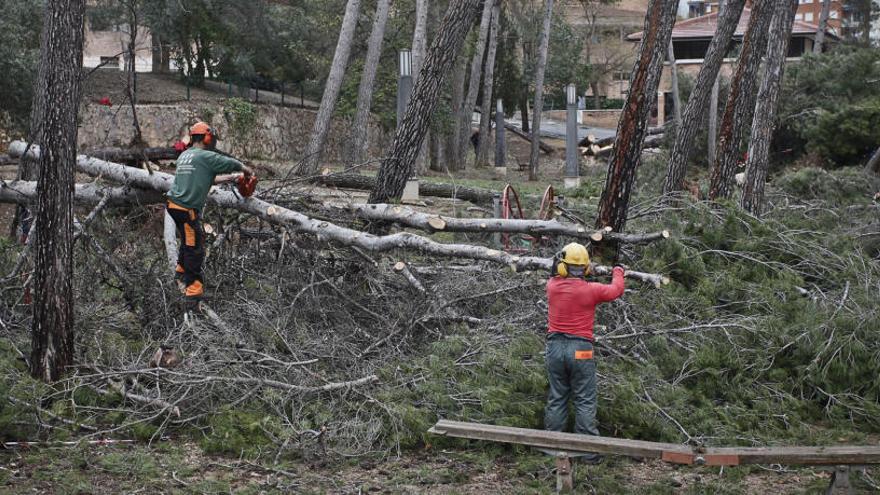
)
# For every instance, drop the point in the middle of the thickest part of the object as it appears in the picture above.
(561, 267)
(572, 254)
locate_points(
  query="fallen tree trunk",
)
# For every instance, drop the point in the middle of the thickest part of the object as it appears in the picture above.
(25, 192)
(599, 151)
(546, 148)
(608, 141)
(22, 192)
(323, 230)
(439, 223)
(128, 155)
(367, 183)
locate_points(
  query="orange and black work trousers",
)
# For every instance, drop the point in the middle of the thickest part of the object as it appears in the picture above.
(191, 254)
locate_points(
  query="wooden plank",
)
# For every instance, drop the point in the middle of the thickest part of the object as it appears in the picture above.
(556, 440)
(674, 453)
(818, 456)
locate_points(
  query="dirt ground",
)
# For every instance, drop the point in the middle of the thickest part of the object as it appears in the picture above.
(181, 468)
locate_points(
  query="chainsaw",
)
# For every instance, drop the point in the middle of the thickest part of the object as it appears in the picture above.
(246, 185)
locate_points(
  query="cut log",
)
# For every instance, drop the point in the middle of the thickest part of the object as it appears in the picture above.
(599, 151)
(434, 223)
(24, 192)
(326, 231)
(367, 183)
(608, 141)
(134, 154)
(546, 148)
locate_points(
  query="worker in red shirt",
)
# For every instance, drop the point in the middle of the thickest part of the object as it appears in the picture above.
(571, 367)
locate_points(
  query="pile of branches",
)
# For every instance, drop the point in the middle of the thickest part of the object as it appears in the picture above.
(298, 331)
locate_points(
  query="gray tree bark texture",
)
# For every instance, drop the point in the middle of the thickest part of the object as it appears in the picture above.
(488, 81)
(312, 159)
(631, 129)
(823, 26)
(397, 168)
(359, 136)
(764, 120)
(454, 140)
(705, 87)
(540, 67)
(420, 39)
(59, 87)
(473, 88)
(740, 100)
(676, 96)
(326, 231)
(500, 143)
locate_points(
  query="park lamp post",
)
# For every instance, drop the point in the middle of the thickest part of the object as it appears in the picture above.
(404, 90)
(572, 164)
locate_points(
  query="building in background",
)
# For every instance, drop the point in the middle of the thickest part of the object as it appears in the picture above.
(690, 41)
(608, 52)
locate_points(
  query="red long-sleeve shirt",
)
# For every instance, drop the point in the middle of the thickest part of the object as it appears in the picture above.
(573, 303)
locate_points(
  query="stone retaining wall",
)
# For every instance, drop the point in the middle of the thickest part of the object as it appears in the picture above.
(280, 134)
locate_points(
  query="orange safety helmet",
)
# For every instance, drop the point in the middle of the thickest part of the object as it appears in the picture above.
(203, 129)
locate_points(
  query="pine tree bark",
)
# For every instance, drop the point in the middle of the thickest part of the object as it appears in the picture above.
(312, 158)
(740, 100)
(676, 96)
(543, 48)
(397, 168)
(420, 38)
(454, 140)
(360, 137)
(470, 99)
(763, 123)
(488, 82)
(59, 89)
(823, 26)
(704, 89)
(631, 129)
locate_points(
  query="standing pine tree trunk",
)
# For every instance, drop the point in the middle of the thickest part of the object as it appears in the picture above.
(360, 134)
(740, 100)
(454, 140)
(704, 88)
(312, 158)
(763, 123)
(823, 26)
(488, 81)
(676, 96)
(470, 99)
(543, 48)
(420, 39)
(59, 89)
(397, 168)
(645, 78)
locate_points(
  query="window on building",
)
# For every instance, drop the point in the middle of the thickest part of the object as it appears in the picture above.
(690, 49)
(799, 17)
(808, 16)
(797, 47)
(110, 62)
(833, 14)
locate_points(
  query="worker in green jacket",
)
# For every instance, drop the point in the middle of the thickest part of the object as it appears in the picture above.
(197, 167)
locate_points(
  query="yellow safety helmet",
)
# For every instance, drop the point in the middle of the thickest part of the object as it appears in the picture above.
(573, 254)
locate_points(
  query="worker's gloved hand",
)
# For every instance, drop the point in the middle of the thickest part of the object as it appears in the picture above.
(247, 171)
(622, 267)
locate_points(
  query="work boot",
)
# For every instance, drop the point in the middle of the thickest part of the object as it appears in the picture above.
(194, 292)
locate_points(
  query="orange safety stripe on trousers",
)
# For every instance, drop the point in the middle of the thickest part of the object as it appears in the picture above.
(195, 289)
(175, 206)
(189, 235)
(588, 354)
